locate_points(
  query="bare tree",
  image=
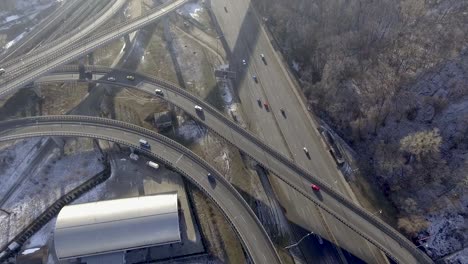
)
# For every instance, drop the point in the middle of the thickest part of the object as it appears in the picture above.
(422, 143)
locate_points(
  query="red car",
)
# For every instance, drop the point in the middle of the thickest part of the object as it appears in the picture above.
(266, 106)
(315, 187)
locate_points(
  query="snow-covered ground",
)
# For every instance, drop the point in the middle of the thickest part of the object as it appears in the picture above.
(41, 237)
(191, 131)
(57, 176)
(29, 251)
(191, 9)
(14, 158)
(13, 42)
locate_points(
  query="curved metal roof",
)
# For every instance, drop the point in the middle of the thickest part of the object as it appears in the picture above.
(116, 225)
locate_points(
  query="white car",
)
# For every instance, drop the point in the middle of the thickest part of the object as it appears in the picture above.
(111, 79)
(159, 92)
(263, 58)
(2, 71)
(306, 151)
(198, 108)
(244, 62)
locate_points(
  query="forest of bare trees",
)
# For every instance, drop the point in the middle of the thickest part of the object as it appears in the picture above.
(391, 77)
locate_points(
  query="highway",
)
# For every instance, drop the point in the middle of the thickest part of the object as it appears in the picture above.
(245, 39)
(30, 68)
(13, 67)
(47, 25)
(346, 214)
(250, 231)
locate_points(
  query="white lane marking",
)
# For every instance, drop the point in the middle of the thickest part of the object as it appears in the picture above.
(287, 194)
(179, 158)
(304, 213)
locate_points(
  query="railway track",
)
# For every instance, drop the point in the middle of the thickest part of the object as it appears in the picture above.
(15, 244)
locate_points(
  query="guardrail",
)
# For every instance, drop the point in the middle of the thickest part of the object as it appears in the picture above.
(134, 129)
(48, 22)
(53, 210)
(48, 53)
(58, 57)
(420, 256)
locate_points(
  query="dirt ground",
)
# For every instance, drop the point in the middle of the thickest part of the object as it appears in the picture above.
(221, 239)
(58, 99)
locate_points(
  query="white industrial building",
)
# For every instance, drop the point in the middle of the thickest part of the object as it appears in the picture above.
(114, 226)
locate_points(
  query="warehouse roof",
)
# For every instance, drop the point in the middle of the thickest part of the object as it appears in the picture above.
(116, 225)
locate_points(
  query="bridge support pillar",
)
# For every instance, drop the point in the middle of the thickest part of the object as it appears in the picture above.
(91, 58)
(37, 90)
(167, 30)
(60, 142)
(128, 43)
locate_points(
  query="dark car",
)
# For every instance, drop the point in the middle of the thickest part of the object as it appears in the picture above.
(211, 178)
(254, 77)
(283, 112)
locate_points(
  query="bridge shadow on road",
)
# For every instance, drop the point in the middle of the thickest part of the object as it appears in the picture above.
(312, 249)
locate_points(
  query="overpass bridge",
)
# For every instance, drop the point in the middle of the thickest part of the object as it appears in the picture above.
(346, 214)
(24, 70)
(253, 236)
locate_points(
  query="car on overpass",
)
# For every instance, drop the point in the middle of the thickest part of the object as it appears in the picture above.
(211, 178)
(144, 144)
(306, 151)
(283, 112)
(159, 92)
(315, 187)
(2, 71)
(262, 56)
(130, 77)
(111, 79)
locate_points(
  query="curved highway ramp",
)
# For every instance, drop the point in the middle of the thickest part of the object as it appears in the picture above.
(249, 229)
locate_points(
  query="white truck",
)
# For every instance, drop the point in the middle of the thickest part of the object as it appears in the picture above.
(152, 164)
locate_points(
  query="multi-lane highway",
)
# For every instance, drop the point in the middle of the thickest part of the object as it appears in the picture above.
(40, 30)
(288, 132)
(45, 52)
(28, 69)
(346, 213)
(248, 227)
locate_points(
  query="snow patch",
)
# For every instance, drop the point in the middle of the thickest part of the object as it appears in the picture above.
(445, 234)
(457, 258)
(191, 9)
(226, 93)
(29, 251)
(41, 237)
(13, 42)
(191, 131)
(296, 66)
(11, 18)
